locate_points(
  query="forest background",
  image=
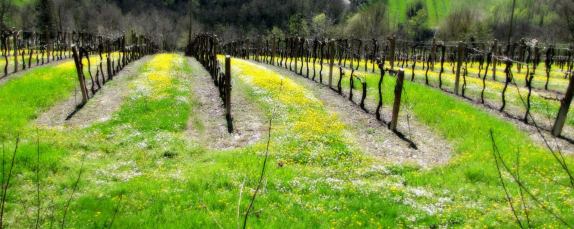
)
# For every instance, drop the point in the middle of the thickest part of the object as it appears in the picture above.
(168, 21)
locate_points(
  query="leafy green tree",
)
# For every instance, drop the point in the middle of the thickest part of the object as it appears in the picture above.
(481, 31)
(45, 10)
(277, 31)
(298, 25)
(320, 24)
(7, 8)
(418, 28)
(459, 24)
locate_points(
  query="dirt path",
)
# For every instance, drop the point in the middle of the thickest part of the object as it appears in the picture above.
(415, 143)
(207, 123)
(99, 108)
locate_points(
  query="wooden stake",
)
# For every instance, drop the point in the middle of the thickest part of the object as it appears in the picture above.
(352, 50)
(296, 51)
(48, 44)
(392, 54)
(123, 49)
(258, 45)
(15, 50)
(564, 106)
(458, 65)
(273, 51)
(80, 76)
(494, 58)
(433, 52)
(397, 104)
(228, 87)
(521, 54)
(332, 62)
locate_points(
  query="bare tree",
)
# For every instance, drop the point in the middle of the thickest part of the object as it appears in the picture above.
(458, 24)
(565, 11)
(64, 16)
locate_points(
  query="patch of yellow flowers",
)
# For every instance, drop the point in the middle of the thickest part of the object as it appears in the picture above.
(159, 75)
(301, 116)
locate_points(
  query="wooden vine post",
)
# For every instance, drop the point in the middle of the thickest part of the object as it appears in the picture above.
(258, 44)
(332, 61)
(380, 85)
(15, 36)
(228, 87)
(80, 76)
(48, 44)
(247, 49)
(433, 53)
(392, 54)
(296, 51)
(124, 49)
(508, 79)
(273, 51)
(564, 106)
(521, 54)
(352, 50)
(109, 61)
(397, 104)
(494, 58)
(458, 65)
(31, 54)
(215, 63)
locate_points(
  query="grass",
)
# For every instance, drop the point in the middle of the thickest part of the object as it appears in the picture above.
(25, 98)
(326, 181)
(468, 128)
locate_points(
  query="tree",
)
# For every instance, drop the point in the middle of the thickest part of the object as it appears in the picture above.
(7, 8)
(320, 24)
(565, 11)
(298, 25)
(278, 32)
(418, 26)
(459, 24)
(45, 10)
(370, 21)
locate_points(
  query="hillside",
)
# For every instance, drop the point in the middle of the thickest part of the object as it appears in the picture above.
(436, 9)
(439, 9)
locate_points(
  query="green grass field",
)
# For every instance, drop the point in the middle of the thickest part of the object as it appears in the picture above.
(439, 9)
(140, 169)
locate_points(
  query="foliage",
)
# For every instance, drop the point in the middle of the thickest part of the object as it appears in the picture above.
(319, 25)
(460, 24)
(7, 8)
(46, 19)
(370, 21)
(418, 26)
(278, 32)
(565, 10)
(298, 25)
